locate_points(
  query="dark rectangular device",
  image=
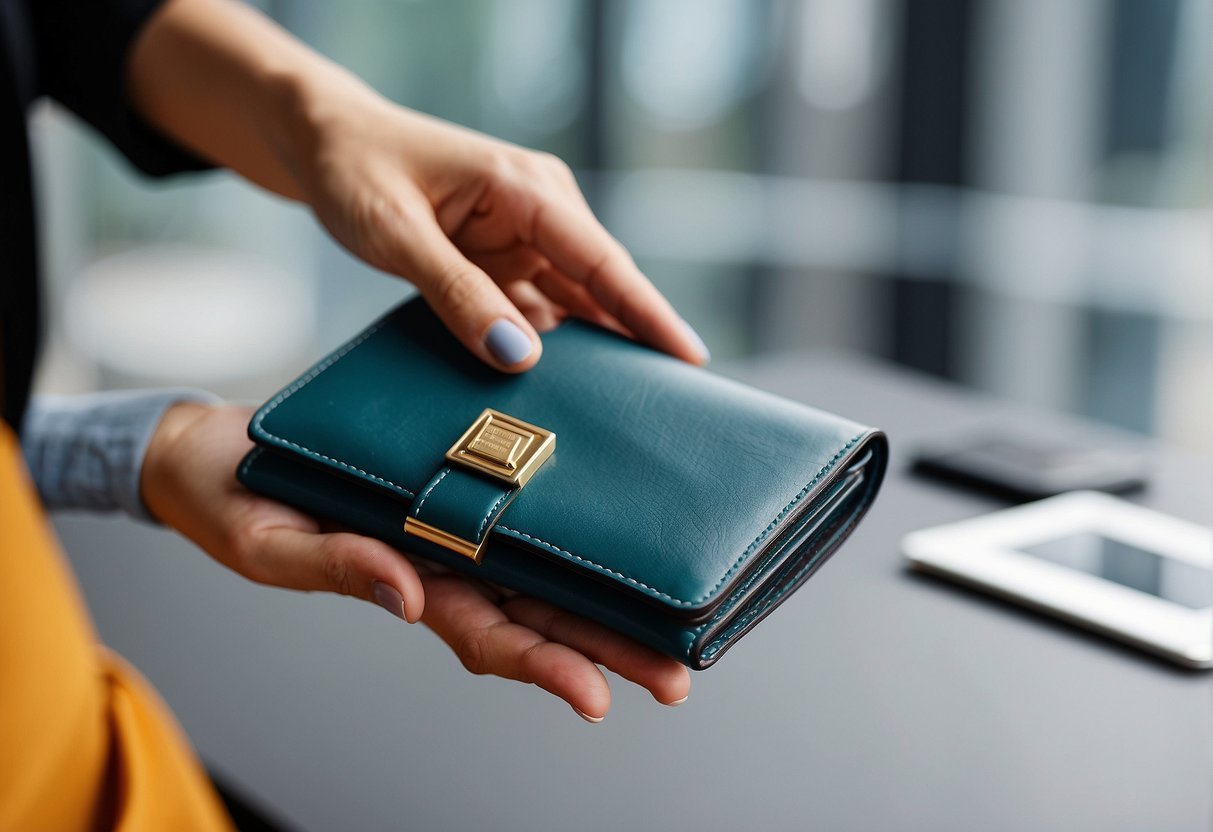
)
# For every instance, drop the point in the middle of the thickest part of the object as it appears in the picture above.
(1022, 467)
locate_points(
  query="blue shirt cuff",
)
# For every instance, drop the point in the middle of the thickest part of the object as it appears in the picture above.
(86, 451)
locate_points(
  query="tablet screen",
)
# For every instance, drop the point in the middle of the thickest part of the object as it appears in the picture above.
(1123, 563)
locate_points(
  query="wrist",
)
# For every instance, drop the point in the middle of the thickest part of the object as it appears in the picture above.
(310, 103)
(157, 461)
(228, 83)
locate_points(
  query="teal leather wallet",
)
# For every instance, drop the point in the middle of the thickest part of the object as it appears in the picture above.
(662, 500)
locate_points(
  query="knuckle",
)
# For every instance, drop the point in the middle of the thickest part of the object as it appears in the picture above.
(556, 166)
(601, 263)
(377, 227)
(503, 163)
(546, 173)
(530, 659)
(335, 569)
(233, 540)
(399, 216)
(472, 651)
(240, 542)
(457, 289)
(554, 623)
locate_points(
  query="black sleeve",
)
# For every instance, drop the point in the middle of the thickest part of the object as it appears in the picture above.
(81, 48)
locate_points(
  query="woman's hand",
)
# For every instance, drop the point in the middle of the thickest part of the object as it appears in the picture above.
(499, 239)
(521, 638)
(188, 482)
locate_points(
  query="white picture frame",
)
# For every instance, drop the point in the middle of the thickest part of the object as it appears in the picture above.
(987, 552)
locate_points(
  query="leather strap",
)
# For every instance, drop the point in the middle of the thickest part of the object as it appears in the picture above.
(462, 503)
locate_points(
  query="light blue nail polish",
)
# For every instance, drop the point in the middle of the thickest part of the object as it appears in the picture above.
(703, 348)
(507, 342)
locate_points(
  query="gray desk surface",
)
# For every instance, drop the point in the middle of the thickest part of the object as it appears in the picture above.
(872, 700)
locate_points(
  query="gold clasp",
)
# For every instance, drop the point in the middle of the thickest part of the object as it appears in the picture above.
(508, 450)
(446, 540)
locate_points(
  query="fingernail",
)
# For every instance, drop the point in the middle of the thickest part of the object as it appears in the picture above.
(592, 719)
(677, 702)
(507, 342)
(704, 352)
(388, 598)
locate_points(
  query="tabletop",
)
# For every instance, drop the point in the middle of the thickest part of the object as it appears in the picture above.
(873, 699)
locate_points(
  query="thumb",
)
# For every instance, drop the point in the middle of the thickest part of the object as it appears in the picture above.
(467, 300)
(341, 562)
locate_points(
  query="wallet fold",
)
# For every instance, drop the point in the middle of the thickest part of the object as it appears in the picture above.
(664, 501)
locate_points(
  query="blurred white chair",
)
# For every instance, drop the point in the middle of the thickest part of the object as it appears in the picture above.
(163, 315)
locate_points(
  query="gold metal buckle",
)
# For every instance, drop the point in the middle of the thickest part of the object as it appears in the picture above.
(507, 449)
(445, 539)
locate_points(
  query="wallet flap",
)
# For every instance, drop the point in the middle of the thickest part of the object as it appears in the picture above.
(666, 479)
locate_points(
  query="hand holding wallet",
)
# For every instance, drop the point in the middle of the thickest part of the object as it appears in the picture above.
(659, 499)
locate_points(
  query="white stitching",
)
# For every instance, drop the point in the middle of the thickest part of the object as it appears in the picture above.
(483, 523)
(759, 574)
(259, 419)
(344, 465)
(248, 460)
(429, 488)
(723, 639)
(337, 356)
(598, 566)
(492, 513)
(736, 564)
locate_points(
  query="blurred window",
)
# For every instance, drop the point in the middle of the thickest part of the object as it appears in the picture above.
(1010, 193)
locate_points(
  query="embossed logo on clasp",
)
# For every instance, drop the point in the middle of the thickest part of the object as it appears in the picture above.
(503, 447)
(498, 443)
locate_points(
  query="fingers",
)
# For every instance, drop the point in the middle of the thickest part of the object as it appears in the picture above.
(571, 238)
(472, 306)
(574, 298)
(514, 269)
(488, 642)
(543, 314)
(666, 679)
(345, 563)
(521, 266)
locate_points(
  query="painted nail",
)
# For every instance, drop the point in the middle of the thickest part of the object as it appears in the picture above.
(591, 719)
(704, 352)
(677, 702)
(507, 342)
(388, 598)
